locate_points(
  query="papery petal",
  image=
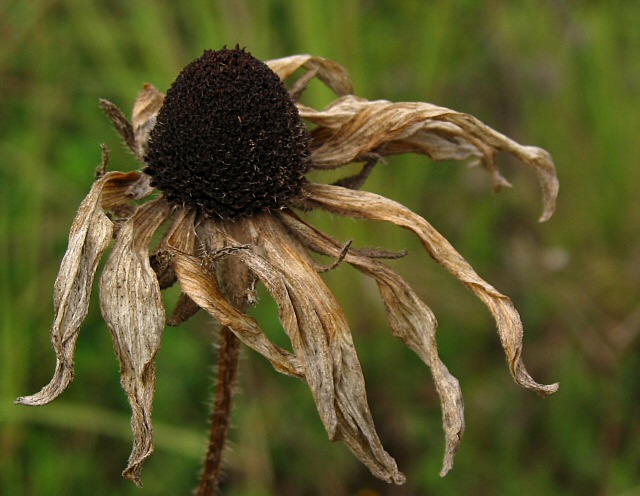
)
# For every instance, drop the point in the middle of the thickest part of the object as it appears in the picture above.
(334, 75)
(362, 204)
(410, 319)
(321, 338)
(89, 237)
(201, 285)
(132, 306)
(181, 236)
(145, 111)
(351, 128)
(118, 195)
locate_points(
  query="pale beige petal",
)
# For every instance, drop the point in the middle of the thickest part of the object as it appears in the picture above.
(352, 128)
(145, 111)
(181, 236)
(118, 195)
(90, 236)
(410, 319)
(200, 283)
(132, 306)
(334, 75)
(371, 206)
(321, 339)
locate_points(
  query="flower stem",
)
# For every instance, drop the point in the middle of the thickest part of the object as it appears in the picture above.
(220, 416)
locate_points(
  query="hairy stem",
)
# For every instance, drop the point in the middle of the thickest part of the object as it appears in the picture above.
(221, 414)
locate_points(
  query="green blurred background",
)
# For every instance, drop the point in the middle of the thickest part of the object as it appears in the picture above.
(559, 74)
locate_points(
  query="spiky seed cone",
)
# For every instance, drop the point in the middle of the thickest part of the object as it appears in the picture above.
(228, 140)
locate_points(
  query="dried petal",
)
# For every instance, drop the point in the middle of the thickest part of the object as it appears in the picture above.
(352, 127)
(89, 237)
(362, 204)
(118, 199)
(329, 72)
(181, 236)
(411, 320)
(201, 285)
(321, 338)
(115, 193)
(145, 111)
(132, 306)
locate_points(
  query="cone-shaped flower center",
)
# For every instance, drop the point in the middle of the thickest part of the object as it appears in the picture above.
(228, 140)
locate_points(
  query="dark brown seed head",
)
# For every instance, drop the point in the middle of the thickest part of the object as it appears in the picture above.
(228, 140)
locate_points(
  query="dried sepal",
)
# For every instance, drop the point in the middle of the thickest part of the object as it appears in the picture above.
(321, 339)
(185, 309)
(334, 75)
(410, 319)
(120, 122)
(199, 282)
(133, 309)
(366, 205)
(89, 237)
(352, 127)
(135, 133)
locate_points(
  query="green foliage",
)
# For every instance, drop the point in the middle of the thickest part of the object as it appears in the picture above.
(561, 75)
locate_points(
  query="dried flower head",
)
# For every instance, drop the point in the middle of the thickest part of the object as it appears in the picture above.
(224, 160)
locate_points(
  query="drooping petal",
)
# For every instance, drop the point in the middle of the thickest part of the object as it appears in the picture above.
(120, 190)
(351, 128)
(199, 282)
(321, 339)
(181, 236)
(89, 237)
(410, 319)
(334, 75)
(132, 306)
(367, 205)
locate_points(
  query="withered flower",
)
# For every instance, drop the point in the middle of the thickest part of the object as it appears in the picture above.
(227, 152)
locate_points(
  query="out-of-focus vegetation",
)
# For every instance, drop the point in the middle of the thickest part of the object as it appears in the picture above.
(559, 74)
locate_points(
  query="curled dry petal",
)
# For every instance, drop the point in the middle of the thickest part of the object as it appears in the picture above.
(411, 320)
(89, 237)
(352, 127)
(321, 339)
(181, 236)
(334, 75)
(371, 206)
(145, 111)
(132, 306)
(201, 285)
